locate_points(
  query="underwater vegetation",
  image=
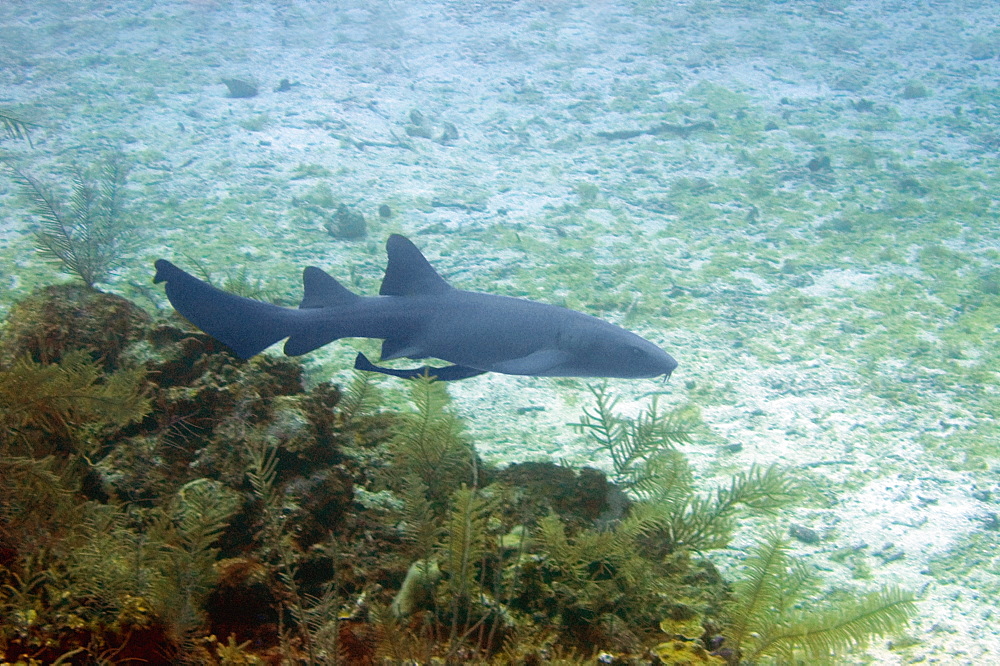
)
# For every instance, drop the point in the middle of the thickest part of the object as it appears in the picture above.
(164, 501)
(15, 128)
(767, 616)
(91, 233)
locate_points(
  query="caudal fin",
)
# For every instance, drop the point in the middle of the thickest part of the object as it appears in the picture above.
(246, 326)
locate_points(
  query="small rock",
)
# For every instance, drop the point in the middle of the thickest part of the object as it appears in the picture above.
(347, 224)
(821, 163)
(804, 534)
(439, 131)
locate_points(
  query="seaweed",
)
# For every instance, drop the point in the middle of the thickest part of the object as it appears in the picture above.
(92, 233)
(38, 508)
(606, 587)
(316, 620)
(360, 398)
(65, 407)
(429, 445)
(463, 547)
(135, 569)
(633, 443)
(116, 566)
(449, 581)
(314, 623)
(16, 128)
(394, 642)
(481, 561)
(115, 577)
(420, 527)
(646, 463)
(239, 281)
(706, 522)
(767, 617)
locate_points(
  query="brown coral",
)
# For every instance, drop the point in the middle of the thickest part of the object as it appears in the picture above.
(60, 318)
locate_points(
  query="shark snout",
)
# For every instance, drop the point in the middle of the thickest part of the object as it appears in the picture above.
(642, 359)
(669, 365)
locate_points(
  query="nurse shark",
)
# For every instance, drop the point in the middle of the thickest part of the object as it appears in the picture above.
(419, 315)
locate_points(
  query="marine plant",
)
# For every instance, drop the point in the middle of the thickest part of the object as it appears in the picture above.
(480, 567)
(53, 418)
(361, 398)
(16, 128)
(65, 407)
(429, 444)
(92, 232)
(707, 521)
(37, 509)
(421, 529)
(137, 567)
(238, 280)
(190, 526)
(450, 532)
(310, 620)
(769, 617)
(765, 618)
(646, 462)
(603, 584)
(633, 443)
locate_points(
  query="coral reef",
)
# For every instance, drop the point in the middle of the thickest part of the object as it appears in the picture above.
(165, 501)
(66, 317)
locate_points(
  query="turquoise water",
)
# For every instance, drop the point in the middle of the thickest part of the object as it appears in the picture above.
(797, 200)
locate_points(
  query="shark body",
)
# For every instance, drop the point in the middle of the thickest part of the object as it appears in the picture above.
(419, 315)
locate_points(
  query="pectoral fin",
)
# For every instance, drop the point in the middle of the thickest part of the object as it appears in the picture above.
(448, 373)
(393, 348)
(535, 363)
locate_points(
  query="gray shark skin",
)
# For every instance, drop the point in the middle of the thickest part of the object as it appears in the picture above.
(419, 315)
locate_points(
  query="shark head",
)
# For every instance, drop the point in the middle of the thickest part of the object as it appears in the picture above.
(599, 349)
(635, 359)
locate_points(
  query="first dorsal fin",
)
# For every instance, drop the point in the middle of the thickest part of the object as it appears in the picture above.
(407, 272)
(322, 290)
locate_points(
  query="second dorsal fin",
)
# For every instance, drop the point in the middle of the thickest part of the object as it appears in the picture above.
(321, 290)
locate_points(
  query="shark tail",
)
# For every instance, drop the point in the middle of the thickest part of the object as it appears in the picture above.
(246, 326)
